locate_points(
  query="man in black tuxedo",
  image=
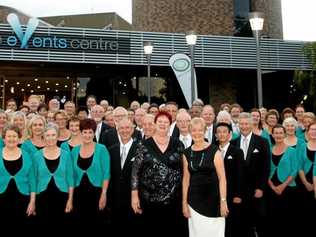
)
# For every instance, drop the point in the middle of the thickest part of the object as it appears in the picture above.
(122, 155)
(111, 137)
(234, 165)
(172, 109)
(208, 114)
(97, 114)
(257, 167)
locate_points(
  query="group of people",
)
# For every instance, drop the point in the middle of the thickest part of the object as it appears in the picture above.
(158, 170)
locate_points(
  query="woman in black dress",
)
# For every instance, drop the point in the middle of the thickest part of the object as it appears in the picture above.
(204, 185)
(91, 163)
(17, 182)
(281, 184)
(307, 166)
(156, 183)
(54, 180)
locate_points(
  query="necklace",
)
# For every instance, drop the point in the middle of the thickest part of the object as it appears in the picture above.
(161, 143)
(200, 163)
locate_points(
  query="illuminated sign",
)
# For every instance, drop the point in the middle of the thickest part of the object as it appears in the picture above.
(29, 39)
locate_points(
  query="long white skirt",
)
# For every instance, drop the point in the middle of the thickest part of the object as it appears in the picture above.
(203, 226)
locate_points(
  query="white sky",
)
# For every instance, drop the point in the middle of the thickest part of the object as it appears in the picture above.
(299, 16)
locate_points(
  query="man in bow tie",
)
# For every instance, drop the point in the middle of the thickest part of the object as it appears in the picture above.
(233, 162)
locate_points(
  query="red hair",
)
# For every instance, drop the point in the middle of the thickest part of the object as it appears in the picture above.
(163, 113)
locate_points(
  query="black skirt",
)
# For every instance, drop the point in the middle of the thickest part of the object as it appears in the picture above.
(13, 205)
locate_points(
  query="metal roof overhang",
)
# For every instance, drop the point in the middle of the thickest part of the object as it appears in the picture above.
(210, 51)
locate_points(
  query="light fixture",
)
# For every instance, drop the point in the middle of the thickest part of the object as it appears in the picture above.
(22, 89)
(57, 84)
(305, 97)
(148, 50)
(66, 86)
(12, 89)
(67, 77)
(120, 82)
(125, 84)
(18, 83)
(28, 85)
(148, 47)
(56, 90)
(256, 20)
(38, 87)
(31, 91)
(191, 38)
(35, 79)
(6, 81)
(46, 82)
(48, 88)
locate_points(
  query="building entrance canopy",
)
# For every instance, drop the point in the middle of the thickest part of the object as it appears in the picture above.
(83, 45)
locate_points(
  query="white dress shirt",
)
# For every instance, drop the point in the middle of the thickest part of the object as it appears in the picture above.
(124, 149)
(186, 140)
(98, 131)
(224, 149)
(209, 133)
(171, 128)
(245, 145)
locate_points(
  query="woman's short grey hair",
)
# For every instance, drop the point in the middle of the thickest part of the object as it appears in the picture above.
(51, 126)
(291, 121)
(223, 115)
(245, 115)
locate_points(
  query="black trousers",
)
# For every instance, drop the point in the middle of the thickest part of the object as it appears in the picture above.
(233, 220)
(254, 216)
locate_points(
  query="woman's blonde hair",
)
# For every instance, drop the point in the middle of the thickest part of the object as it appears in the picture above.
(30, 124)
(197, 121)
(22, 115)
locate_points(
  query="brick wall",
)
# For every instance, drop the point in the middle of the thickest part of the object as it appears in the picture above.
(204, 16)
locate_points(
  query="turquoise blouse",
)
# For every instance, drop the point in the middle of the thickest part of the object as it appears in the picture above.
(24, 178)
(235, 135)
(63, 175)
(265, 134)
(98, 172)
(1, 142)
(65, 146)
(300, 133)
(288, 166)
(305, 164)
(29, 147)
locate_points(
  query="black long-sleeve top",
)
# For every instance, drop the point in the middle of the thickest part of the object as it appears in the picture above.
(157, 176)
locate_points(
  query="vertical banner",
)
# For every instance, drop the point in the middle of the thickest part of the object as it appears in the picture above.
(181, 65)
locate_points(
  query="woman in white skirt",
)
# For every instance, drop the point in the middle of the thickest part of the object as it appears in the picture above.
(204, 185)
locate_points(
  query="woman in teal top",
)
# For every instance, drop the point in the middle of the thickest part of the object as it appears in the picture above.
(54, 180)
(283, 171)
(92, 173)
(35, 131)
(17, 181)
(306, 168)
(75, 139)
(257, 126)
